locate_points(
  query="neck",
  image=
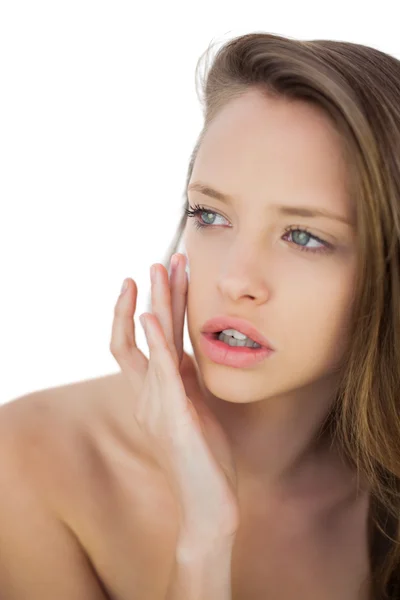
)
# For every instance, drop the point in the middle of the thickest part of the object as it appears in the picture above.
(277, 441)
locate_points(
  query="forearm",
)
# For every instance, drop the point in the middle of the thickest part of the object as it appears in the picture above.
(202, 574)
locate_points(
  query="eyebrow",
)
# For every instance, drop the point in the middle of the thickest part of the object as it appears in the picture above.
(301, 211)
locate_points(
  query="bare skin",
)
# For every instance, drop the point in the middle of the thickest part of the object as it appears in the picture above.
(98, 510)
(102, 511)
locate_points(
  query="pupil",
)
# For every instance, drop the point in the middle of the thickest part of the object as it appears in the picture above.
(209, 215)
(302, 236)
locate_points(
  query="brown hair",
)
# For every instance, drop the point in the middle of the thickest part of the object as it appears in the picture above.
(358, 88)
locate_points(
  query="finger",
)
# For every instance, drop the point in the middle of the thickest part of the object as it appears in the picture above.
(179, 289)
(161, 305)
(123, 337)
(163, 371)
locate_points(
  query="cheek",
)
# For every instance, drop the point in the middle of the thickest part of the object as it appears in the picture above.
(198, 263)
(201, 289)
(322, 327)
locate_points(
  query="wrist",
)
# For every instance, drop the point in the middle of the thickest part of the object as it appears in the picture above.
(202, 572)
(200, 544)
(190, 550)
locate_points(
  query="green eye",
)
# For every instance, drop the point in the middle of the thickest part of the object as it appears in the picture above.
(204, 218)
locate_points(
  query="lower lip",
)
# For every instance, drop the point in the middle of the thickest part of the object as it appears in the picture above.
(232, 356)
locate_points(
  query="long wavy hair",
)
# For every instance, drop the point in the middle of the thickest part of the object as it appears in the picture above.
(358, 87)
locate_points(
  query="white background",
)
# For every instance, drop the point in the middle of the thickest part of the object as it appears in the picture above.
(98, 117)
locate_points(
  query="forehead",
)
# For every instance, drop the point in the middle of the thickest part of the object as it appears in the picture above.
(275, 148)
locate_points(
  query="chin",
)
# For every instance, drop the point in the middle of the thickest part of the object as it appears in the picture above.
(232, 385)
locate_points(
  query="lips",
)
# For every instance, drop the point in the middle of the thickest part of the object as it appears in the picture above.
(219, 323)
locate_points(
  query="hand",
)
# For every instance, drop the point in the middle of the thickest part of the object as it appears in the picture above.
(181, 435)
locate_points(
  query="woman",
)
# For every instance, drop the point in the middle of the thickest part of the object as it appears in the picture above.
(269, 471)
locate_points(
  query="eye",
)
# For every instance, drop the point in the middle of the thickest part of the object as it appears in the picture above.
(195, 212)
(206, 215)
(306, 236)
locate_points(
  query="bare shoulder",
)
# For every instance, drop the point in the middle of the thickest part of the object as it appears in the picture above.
(71, 450)
(41, 556)
(80, 432)
(47, 431)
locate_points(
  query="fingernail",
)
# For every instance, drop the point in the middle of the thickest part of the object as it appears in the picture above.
(124, 286)
(153, 274)
(174, 262)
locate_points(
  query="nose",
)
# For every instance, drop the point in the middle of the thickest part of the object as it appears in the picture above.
(241, 278)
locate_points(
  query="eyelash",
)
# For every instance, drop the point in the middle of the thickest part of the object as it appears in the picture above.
(194, 212)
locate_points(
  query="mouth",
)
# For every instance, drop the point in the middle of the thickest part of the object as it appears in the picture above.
(236, 356)
(234, 342)
(227, 327)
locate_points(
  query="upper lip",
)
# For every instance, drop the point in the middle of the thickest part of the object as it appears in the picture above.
(221, 322)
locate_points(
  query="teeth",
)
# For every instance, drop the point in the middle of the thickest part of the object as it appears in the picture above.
(232, 341)
(235, 333)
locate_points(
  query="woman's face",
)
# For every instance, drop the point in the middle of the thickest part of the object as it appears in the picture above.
(266, 154)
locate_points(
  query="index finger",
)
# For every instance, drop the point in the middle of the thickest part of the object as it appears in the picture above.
(123, 340)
